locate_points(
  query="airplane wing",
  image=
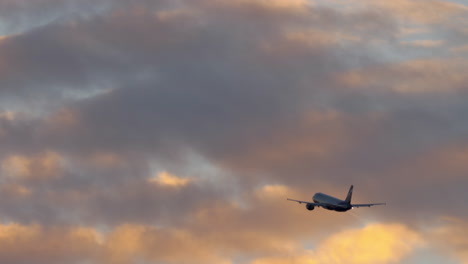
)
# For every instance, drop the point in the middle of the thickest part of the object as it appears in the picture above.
(301, 202)
(366, 205)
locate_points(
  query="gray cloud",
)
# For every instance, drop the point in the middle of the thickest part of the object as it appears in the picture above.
(295, 95)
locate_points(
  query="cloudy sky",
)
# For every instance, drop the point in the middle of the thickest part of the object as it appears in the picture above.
(172, 131)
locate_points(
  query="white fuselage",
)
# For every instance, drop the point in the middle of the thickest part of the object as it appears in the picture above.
(331, 202)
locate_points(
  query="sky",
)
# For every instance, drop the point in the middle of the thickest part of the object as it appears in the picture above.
(172, 131)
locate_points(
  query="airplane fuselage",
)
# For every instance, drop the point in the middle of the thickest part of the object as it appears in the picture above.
(331, 202)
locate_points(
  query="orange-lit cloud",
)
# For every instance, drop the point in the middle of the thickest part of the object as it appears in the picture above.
(33, 243)
(130, 242)
(451, 236)
(279, 99)
(166, 179)
(375, 243)
(122, 245)
(8, 115)
(432, 11)
(41, 166)
(415, 76)
(273, 191)
(300, 40)
(16, 190)
(424, 43)
(296, 5)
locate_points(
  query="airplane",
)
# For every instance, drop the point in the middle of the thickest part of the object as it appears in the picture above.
(332, 203)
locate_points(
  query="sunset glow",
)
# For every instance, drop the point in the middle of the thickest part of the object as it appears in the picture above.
(172, 132)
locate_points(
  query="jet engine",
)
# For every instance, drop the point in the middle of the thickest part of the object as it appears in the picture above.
(310, 207)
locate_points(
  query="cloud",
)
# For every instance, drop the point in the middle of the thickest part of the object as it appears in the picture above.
(273, 191)
(378, 243)
(124, 244)
(33, 243)
(372, 243)
(42, 166)
(416, 76)
(450, 236)
(317, 137)
(130, 243)
(424, 12)
(424, 43)
(106, 105)
(84, 54)
(167, 179)
(7, 115)
(450, 160)
(375, 243)
(460, 49)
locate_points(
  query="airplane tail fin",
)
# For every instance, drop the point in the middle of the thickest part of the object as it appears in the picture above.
(350, 193)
